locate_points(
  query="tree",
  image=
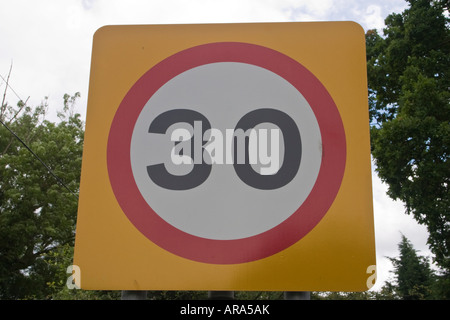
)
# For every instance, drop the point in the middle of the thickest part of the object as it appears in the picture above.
(414, 277)
(38, 202)
(409, 80)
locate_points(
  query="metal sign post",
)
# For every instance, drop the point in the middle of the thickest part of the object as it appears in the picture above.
(297, 295)
(221, 295)
(133, 295)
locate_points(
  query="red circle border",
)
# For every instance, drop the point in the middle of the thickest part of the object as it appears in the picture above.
(265, 244)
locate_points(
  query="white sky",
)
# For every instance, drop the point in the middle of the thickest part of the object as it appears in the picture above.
(49, 44)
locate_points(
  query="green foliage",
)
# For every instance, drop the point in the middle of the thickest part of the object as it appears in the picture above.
(414, 277)
(37, 214)
(366, 295)
(408, 74)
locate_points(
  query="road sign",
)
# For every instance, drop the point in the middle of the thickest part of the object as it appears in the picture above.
(227, 157)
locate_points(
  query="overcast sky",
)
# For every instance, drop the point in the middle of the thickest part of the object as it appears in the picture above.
(49, 42)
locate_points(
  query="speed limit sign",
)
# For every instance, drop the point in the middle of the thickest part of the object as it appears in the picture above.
(241, 149)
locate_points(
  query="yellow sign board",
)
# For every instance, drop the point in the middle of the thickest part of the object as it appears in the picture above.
(227, 157)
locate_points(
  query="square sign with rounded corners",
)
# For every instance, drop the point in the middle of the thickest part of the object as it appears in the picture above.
(227, 157)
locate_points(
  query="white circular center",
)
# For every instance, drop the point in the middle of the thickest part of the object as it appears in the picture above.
(223, 207)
